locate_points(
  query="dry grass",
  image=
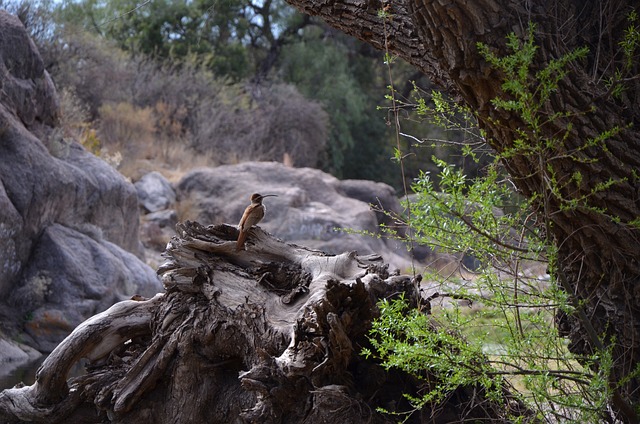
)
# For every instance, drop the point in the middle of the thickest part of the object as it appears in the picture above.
(188, 209)
(173, 162)
(128, 138)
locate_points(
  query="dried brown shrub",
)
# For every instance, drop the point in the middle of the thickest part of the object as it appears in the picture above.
(179, 114)
(263, 123)
(125, 125)
(95, 71)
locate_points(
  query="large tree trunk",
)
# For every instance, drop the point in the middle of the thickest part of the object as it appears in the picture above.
(598, 241)
(267, 335)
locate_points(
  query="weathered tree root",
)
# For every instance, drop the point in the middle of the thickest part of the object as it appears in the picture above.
(267, 335)
(50, 398)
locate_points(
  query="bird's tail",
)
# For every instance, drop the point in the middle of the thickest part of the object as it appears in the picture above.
(241, 238)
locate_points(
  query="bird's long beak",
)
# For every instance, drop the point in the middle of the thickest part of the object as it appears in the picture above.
(269, 195)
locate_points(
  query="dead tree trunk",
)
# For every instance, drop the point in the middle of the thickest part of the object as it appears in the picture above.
(267, 335)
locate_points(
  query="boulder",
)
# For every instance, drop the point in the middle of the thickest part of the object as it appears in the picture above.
(313, 208)
(73, 275)
(381, 196)
(69, 244)
(14, 355)
(155, 192)
(27, 90)
(167, 218)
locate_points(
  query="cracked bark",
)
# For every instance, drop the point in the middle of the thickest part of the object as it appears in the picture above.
(599, 255)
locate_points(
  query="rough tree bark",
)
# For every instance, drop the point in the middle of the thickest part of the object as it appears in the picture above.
(599, 253)
(267, 335)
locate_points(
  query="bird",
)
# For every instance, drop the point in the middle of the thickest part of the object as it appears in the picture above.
(251, 216)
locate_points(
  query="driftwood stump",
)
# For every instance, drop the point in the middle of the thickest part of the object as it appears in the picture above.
(271, 334)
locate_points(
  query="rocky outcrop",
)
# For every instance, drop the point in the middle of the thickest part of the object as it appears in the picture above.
(68, 221)
(313, 208)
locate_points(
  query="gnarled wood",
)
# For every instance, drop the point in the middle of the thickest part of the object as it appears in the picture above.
(93, 340)
(267, 335)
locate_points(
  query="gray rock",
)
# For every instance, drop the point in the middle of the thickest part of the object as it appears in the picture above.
(40, 190)
(11, 250)
(381, 196)
(27, 91)
(14, 355)
(68, 220)
(71, 276)
(312, 207)
(155, 192)
(164, 218)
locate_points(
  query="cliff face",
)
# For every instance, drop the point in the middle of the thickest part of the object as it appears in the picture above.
(69, 244)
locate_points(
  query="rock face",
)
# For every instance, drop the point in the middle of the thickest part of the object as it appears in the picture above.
(67, 219)
(313, 208)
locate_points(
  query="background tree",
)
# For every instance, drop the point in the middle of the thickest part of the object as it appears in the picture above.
(238, 42)
(243, 42)
(345, 76)
(164, 29)
(586, 193)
